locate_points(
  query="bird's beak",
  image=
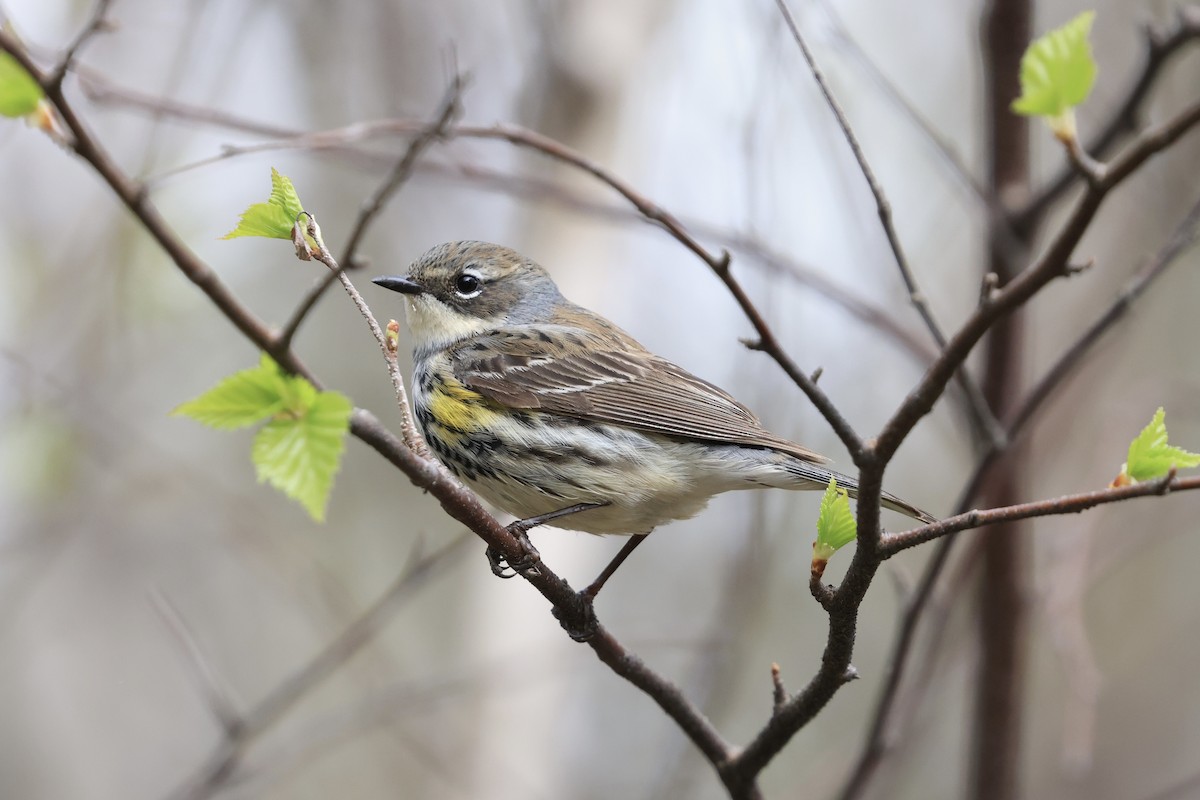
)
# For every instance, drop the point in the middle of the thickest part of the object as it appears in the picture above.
(399, 284)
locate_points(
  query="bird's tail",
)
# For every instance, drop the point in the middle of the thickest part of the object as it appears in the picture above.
(817, 477)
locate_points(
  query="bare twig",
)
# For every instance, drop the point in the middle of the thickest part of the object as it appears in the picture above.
(242, 731)
(1162, 46)
(868, 555)
(883, 207)
(1070, 504)
(451, 108)
(876, 742)
(217, 693)
(779, 691)
(97, 22)
(1050, 265)
(982, 416)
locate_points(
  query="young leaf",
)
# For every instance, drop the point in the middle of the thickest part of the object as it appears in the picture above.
(836, 526)
(19, 92)
(242, 399)
(1057, 74)
(1151, 457)
(299, 454)
(300, 449)
(273, 219)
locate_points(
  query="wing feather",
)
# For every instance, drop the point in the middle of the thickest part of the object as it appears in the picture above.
(608, 377)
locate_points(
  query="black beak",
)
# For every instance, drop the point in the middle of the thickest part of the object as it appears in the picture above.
(399, 284)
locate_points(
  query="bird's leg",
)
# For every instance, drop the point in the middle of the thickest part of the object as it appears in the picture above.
(594, 588)
(580, 621)
(520, 531)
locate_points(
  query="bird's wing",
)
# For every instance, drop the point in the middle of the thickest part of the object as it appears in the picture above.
(609, 380)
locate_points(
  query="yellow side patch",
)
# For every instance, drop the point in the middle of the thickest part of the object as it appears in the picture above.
(455, 406)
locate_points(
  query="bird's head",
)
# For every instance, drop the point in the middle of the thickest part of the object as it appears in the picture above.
(461, 289)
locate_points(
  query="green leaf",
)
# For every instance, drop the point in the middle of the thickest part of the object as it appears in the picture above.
(300, 449)
(300, 454)
(19, 92)
(836, 526)
(242, 399)
(1151, 457)
(273, 219)
(1057, 73)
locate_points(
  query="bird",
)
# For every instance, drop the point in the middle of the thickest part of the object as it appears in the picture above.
(550, 412)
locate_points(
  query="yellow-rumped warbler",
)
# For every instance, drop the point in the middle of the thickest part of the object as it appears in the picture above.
(539, 405)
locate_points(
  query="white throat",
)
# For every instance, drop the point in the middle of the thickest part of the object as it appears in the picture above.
(434, 325)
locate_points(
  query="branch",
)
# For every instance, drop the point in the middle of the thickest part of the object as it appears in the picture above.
(869, 554)
(1053, 263)
(1069, 504)
(340, 138)
(1182, 238)
(97, 22)
(450, 109)
(719, 264)
(457, 501)
(875, 744)
(1161, 48)
(240, 732)
(218, 695)
(982, 416)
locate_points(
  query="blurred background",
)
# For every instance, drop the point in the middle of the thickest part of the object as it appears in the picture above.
(137, 550)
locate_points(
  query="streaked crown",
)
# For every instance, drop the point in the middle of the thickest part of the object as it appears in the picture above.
(460, 289)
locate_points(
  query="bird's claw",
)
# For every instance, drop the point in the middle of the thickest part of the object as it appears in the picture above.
(502, 567)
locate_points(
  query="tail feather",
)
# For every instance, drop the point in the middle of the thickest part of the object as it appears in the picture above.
(819, 477)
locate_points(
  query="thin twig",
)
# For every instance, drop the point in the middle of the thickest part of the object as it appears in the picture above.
(342, 139)
(1183, 237)
(719, 264)
(450, 108)
(97, 22)
(985, 422)
(1161, 48)
(221, 763)
(217, 693)
(412, 437)
(1069, 504)
(448, 111)
(869, 554)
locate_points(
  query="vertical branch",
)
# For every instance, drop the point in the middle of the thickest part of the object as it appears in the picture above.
(996, 740)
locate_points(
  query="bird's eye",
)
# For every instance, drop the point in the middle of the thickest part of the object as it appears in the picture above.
(468, 285)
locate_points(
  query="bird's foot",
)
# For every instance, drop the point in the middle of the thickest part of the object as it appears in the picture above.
(502, 567)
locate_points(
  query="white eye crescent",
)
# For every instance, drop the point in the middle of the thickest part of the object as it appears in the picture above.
(468, 284)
